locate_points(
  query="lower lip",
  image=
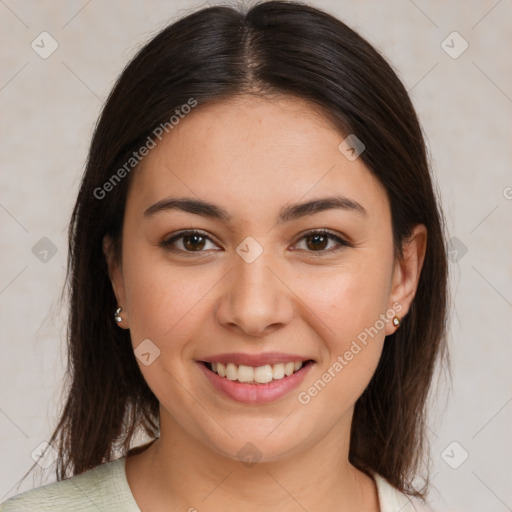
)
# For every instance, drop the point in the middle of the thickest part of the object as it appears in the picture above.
(256, 393)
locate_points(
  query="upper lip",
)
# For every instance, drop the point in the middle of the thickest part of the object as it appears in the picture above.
(239, 358)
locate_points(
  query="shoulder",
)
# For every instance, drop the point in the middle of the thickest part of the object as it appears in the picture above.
(102, 488)
(392, 500)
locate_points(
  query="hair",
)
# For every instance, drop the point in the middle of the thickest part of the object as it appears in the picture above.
(214, 54)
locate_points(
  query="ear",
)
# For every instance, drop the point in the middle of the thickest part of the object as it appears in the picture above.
(407, 272)
(115, 272)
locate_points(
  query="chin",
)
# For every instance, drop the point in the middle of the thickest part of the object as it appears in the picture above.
(258, 448)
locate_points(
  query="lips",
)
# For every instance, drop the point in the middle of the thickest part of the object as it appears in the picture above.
(256, 368)
(255, 378)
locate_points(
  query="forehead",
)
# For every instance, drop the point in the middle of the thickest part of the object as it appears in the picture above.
(254, 152)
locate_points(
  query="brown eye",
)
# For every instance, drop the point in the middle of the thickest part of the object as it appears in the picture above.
(318, 241)
(315, 242)
(187, 241)
(193, 242)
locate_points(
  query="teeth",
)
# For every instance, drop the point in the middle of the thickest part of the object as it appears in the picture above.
(245, 373)
(231, 371)
(278, 371)
(288, 369)
(263, 374)
(259, 375)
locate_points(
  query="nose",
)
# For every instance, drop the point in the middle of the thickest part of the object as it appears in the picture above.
(256, 300)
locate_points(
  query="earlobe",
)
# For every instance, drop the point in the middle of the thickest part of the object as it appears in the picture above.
(116, 278)
(408, 270)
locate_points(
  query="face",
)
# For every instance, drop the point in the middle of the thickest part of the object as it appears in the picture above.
(253, 282)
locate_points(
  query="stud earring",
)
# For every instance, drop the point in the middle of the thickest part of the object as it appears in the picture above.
(117, 315)
(396, 321)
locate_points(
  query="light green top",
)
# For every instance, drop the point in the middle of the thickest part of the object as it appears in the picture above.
(105, 488)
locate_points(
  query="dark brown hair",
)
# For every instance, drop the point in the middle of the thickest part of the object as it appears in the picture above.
(216, 53)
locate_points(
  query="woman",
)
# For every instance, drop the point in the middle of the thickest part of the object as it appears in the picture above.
(257, 276)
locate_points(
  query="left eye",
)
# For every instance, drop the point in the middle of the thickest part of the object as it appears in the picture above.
(195, 241)
(317, 241)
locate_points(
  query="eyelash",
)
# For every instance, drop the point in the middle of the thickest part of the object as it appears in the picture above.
(168, 243)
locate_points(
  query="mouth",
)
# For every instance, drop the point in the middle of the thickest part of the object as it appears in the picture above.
(256, 375)
(255, 379)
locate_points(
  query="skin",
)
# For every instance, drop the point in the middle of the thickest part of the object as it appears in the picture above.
(252, 156)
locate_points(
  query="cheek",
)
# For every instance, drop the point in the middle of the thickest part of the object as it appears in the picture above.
(349, 298)
(167, 303)
(349, 305)
(350, 308)
(163, 300)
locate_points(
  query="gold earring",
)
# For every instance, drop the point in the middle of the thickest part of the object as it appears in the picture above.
(117, 315)
(396, 321)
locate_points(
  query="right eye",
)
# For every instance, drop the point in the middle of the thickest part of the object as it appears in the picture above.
(186, 242)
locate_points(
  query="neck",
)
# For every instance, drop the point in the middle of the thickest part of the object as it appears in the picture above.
(178, 471)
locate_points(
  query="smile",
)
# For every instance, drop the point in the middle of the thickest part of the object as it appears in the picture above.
(255, 375)
(255, 379)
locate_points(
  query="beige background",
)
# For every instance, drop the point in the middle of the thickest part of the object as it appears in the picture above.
(49, 107)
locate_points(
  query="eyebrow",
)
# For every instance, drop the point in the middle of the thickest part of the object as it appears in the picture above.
(287, 214)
